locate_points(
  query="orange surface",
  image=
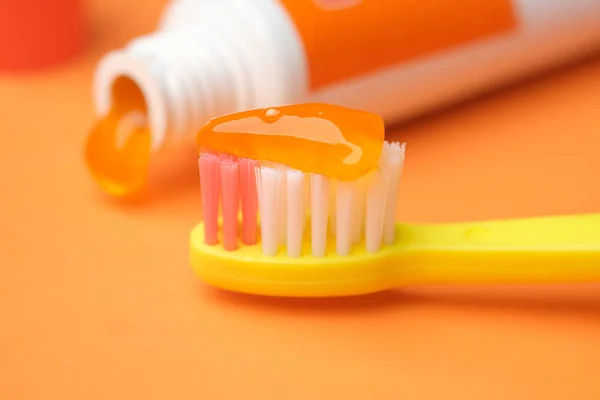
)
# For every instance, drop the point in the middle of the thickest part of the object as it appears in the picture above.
(98, 301)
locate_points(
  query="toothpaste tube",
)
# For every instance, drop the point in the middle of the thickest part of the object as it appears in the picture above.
(395, 58)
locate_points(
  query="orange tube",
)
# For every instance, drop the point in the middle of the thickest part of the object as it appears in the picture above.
(346, 39)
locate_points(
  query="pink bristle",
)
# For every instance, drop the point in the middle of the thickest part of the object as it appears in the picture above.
(249, 200)
(230, 202)
(208, 165)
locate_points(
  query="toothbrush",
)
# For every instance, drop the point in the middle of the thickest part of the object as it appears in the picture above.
(303, 234)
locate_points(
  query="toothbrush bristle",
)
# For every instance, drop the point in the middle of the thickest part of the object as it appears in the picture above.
(267, 188)
(392, 163)
(376, 198)
(348, 213)
(249, 201)
(230, 202)
(282, 205)
(295, 212)
(319, 205)
(345, 198)
(209, 166)
(358, 213)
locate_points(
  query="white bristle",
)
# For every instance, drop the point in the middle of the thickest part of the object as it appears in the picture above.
(332, 207)
(307, 193)
(392, 163)
(295, 212)
(375, 209)
(282, 206)
(349, 212)
(267, 187)
(358, 212)
(319, 210)
(344, 209)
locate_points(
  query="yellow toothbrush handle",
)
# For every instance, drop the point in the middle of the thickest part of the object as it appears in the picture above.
(535, 250)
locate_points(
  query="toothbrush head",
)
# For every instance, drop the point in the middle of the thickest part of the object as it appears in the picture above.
(248, 270)
(275, 231)
(297, 200)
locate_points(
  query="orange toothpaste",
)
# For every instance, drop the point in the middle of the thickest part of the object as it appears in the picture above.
(210, 58)
(329, 140)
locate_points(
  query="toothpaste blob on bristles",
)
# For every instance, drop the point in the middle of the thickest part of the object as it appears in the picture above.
(338, 142)
(322, 180)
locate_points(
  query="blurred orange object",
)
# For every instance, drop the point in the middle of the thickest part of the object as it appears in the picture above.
(36, 33)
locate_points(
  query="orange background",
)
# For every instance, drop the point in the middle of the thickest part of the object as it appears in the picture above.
(97, 299)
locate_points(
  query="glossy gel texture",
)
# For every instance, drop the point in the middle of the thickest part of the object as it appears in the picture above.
(337, 142)
(118, 148)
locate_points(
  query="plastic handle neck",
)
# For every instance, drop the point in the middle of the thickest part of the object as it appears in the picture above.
(535, 250)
